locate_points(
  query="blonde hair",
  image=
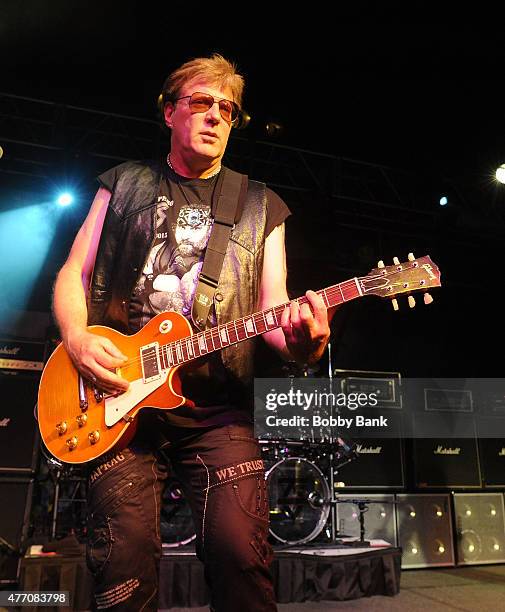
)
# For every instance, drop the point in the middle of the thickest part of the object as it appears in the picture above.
(215, 69)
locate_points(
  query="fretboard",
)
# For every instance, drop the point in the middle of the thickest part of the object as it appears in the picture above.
(216, 338)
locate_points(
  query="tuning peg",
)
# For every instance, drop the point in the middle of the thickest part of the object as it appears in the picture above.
(394, 301)
(411, 257)
(412, 301)
(427, 299)
(380, 264)
(396, 261)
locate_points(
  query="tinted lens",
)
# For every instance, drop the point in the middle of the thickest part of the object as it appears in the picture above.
(227, 110)
(200, 103)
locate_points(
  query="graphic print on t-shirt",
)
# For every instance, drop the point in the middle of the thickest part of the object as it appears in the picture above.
(170, 275)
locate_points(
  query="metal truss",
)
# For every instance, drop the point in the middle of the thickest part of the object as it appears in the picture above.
(42, 139)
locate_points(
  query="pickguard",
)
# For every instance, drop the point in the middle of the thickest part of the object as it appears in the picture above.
(117, 407)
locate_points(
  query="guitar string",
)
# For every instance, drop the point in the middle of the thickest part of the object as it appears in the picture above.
(215, 331)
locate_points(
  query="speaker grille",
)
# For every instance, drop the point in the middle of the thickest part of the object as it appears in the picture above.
(425, 530)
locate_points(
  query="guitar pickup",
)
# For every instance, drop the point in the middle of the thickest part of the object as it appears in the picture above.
(150, 360)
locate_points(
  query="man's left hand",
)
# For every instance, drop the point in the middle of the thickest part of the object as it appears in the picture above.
(306, 328)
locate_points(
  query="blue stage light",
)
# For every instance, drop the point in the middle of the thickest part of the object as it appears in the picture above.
(444, 201)
(65, 199)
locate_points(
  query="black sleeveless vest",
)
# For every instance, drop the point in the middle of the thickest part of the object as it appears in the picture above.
(127, 236)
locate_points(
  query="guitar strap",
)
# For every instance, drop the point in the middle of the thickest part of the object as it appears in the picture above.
(231, 190)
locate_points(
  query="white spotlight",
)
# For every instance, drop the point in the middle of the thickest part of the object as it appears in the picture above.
(65, 199)
(500, 174)
(444, 201)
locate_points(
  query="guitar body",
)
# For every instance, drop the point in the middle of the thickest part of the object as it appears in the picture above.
(62, 389)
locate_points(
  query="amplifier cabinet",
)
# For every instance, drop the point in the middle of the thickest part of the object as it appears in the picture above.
(480, 528)
(380, 459)
(19, 434)
(425, 530)
(492, 450)
(445, 451)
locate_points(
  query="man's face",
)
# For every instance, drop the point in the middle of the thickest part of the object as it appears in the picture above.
(202, 136)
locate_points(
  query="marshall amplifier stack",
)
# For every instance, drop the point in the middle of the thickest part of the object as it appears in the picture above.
(458, 426)
(380, 459)
(21, 363)
(420, 480)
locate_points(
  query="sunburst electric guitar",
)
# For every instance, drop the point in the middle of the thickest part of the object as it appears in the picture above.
(78, 423)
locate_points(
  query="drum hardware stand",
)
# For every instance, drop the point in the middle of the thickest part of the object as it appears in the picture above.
(58, 472)
(333, 512)
(362, 507)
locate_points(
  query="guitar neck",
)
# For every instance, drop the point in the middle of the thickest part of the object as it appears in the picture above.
(219, 337)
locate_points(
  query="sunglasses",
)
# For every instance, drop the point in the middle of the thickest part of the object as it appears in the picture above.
(202, 102)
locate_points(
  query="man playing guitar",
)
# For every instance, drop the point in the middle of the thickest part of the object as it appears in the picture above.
(138, 254)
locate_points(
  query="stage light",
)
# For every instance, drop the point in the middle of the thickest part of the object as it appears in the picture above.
(274, 129)
(443, 201)
(65, 199)
(500, 174)
(244, 119)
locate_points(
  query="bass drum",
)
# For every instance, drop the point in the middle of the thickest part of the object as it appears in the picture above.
(299, 500)
(177, 528)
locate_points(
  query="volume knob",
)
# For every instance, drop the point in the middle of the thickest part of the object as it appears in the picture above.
(94, 436)
(72, 443)
(81, 420)
(61, 428)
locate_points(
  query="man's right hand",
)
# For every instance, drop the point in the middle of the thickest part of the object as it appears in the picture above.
(95, 356)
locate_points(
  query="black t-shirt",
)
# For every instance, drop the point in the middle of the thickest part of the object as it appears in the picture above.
(169, 278)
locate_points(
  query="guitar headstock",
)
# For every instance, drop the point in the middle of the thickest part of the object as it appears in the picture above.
(416, 274)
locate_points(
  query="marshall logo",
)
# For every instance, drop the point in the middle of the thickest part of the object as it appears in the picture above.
(369, 450)
(4, 422)
(440, 450)
(10, 351)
